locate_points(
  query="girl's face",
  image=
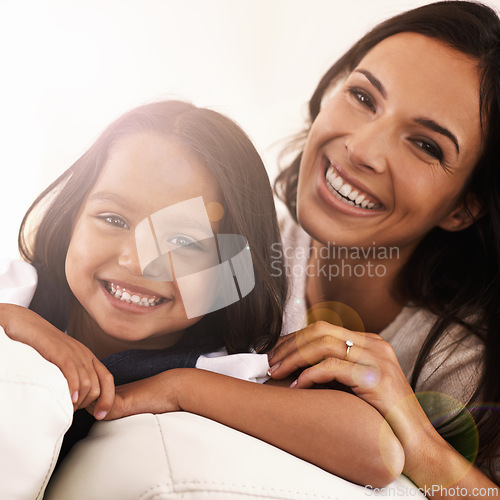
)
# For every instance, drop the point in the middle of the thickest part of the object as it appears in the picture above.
(143, 174)
(389, 154)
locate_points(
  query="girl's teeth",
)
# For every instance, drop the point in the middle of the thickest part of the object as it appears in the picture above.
(126, 296)
(349, 195)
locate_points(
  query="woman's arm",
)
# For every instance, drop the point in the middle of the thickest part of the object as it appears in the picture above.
(334, 430)
(374, 374)
(88, 379)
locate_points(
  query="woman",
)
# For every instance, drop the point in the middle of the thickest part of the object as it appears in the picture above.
(396, 188)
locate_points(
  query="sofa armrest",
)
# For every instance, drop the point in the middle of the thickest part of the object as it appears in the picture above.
(184, 456)
(36, 412)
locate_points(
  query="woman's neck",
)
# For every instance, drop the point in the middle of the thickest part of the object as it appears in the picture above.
(360, 279)
(83, 327)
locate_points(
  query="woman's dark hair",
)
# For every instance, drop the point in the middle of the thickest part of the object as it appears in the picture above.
(252, 322)
(453, 274)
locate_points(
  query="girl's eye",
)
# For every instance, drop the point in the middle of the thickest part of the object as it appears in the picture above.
(181, 240)
(114, 220)
(430, 148)
(363, 98)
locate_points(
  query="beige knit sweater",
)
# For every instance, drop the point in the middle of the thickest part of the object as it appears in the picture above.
(453, 369)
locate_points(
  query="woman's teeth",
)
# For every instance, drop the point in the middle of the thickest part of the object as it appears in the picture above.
(132, 298)
(345, 192)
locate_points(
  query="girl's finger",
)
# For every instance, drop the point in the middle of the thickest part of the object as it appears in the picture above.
(105, 401)
(70, 372)
(90, 387)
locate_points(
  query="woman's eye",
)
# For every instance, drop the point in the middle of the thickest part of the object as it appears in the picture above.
(114, 220)
(363, 98)
(430, 149)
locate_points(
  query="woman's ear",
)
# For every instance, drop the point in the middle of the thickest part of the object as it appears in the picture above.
(464, 214)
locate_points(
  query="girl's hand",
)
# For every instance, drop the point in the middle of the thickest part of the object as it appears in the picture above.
(88, 379)
(371, 369)
(157, 394)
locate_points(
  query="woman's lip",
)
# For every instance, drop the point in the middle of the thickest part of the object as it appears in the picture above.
(330, 199)
(353, 182)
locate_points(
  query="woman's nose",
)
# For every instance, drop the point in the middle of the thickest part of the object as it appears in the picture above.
(368, 147)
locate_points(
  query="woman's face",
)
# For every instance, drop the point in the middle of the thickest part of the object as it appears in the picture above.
(390, 152)
(144, 174)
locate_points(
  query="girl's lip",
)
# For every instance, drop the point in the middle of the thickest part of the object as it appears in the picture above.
(330, 199)
(130, 307)
(133, 288)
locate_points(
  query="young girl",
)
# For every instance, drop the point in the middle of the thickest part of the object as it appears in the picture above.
(97, 284)
(397, 189)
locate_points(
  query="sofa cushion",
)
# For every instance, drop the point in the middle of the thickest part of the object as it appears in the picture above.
(184, 456)
(36, 412)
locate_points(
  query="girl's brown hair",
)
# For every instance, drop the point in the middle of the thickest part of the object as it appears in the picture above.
(254, 321)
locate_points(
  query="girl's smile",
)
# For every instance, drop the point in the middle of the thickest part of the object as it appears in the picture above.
(389, 154)
(131, 298)
(125, 309)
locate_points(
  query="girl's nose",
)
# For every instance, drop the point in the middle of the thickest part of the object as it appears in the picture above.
(129, 259)
(368, 147)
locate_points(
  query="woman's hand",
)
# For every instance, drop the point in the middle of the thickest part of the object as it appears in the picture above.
(157, 394)
(88, 379)
(370, 369)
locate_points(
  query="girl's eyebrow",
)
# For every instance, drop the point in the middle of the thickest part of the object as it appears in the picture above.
(107, 196)
(426, 122)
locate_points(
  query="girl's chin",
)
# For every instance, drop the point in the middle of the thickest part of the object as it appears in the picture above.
(124, 339)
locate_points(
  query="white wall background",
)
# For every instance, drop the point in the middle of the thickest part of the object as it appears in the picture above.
(69, 67)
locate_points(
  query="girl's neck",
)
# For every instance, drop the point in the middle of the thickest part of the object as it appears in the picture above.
(360, 279)
(82, 327)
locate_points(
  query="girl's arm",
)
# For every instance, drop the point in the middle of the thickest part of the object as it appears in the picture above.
(88, 379)
(374, 374)
(334, 430)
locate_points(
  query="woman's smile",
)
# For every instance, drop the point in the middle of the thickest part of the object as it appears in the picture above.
(350, 191)
(390, 152)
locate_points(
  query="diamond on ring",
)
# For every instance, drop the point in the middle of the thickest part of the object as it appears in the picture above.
(349, 344)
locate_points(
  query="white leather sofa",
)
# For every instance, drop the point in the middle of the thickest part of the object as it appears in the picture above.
(144, 457)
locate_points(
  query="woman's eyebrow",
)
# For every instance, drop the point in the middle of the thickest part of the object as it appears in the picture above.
(426, 122)
(431, 124)
(374, 81)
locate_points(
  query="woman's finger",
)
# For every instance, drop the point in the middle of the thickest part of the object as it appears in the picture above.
(106, 398)
(318, 330)
(355, 375)
(328, 370)
(353, 349)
